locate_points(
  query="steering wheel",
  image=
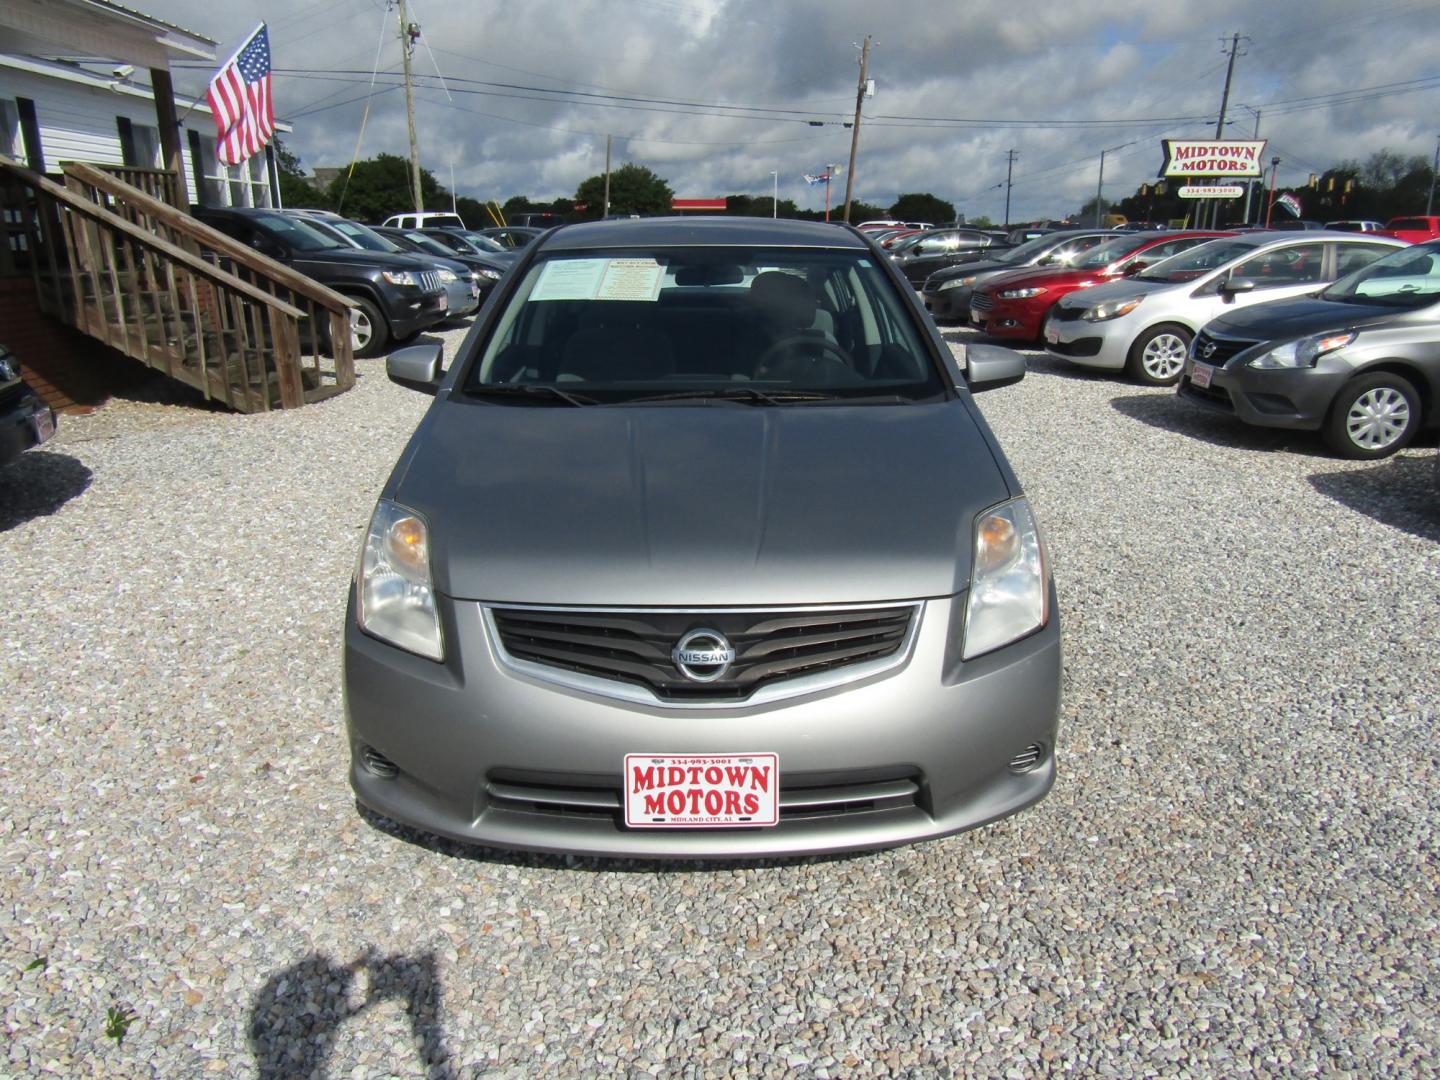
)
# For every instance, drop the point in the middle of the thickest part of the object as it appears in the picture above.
(835, 355)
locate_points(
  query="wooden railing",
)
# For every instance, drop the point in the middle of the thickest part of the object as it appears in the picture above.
(171, 292)
(159, 184)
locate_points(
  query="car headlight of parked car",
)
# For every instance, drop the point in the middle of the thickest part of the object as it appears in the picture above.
(955, 283)
(448, 276)
(486, 272)
(1009, 585)
(400, 277)
(1111, 309)
(1021, 294)
(1304, 352)
(396, 593)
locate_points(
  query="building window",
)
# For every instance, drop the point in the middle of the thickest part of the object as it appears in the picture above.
(246, 184)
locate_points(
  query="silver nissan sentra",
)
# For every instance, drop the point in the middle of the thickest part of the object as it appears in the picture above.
(702, 550)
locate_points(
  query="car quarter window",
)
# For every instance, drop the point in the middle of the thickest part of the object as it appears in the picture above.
(1290, 265)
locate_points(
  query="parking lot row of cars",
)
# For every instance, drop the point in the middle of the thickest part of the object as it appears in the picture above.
(1328, 331)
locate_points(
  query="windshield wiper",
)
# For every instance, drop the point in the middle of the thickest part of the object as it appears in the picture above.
(530, 390)
(744, 394)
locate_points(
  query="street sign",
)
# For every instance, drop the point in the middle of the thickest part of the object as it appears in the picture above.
(1210, 191)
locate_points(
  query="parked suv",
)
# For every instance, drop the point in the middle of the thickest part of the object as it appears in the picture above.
(667, 568)
(25, 420)
(1413, 230)
(396, 296)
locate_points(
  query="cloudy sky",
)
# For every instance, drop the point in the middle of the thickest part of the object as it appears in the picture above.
(715, 94)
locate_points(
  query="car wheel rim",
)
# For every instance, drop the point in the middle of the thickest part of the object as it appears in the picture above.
(1163, 357)
(360, 329)
(1377, 418)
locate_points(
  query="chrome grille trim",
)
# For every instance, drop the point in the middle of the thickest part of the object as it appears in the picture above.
(767, 694)
(981, 301)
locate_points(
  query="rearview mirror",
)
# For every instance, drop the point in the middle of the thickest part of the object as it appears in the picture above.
(416, 367)
(989, 367)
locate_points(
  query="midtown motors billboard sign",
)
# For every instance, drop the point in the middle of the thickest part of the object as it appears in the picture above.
(1212, 157)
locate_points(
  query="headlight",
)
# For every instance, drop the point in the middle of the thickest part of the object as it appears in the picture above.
(486, 272)
(397, 598)
(1021, 294)
(1009, 582)
(1303, 353)
(954, 283)
(1111, 309)
(449, 277)
(400, 277)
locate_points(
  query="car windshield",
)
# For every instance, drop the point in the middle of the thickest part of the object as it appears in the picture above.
(1022, 254)
(482, 244)
(1198, 260)
(427, 243)
(298, 234)
(1101, 256)
(368, 239)
(1407, 278)
(719, 326)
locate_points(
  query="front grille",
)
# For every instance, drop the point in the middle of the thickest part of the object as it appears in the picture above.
(1222, 349)
(1085, 346)
(981, 301)
(634, 647)
(430, 281)
(1062, 313)
(801, 797)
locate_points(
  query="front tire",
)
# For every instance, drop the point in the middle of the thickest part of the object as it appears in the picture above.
(1158, 356)
(369, 333)
(1373, 416)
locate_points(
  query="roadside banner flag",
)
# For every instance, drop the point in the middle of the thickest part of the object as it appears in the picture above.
(1290, 202)
(819, 178)
(239, 97)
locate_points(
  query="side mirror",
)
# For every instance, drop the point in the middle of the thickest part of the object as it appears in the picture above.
(1235, 286)
(269, 248)
(989, 367)
(1135, 267)
(416, 367)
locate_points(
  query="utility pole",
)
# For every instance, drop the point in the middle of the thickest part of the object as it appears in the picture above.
(1099, 187)
(774, 192)
(1010, 156)
(1270, 209)
(829, 178)
(409, 33)
(1224, 106)
(855, 131)
(605, 209)
(1250, 183)
(1434, 168)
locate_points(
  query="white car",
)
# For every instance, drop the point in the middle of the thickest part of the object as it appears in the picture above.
(428, 220)
(1144, 324)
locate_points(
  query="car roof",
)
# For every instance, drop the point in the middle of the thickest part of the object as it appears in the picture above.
(701, 232)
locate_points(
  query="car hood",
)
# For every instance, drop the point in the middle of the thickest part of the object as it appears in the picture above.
(1280, 320)
(979, 266)
(711, 506)
(358, 257)
(1049, 279)
(1113, 290)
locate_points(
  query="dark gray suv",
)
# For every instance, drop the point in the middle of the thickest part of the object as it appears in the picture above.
(703, 549)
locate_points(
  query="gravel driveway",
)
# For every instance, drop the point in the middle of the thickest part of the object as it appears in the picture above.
(1236, 872)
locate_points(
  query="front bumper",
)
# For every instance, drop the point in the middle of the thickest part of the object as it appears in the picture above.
(409, 312)
(1088, 344)
(468, 734)
(949, 303)
(1015, 319)
(1294, 398)
(463, 299)
(25, 422)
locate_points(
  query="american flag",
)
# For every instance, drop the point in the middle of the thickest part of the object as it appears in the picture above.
(822, 178)
(239, 97)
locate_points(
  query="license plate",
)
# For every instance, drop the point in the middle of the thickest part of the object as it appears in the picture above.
(1201, 374)
(701, 791)
(1051, 334)
(444, 301)
(44, 421)
(977, 316)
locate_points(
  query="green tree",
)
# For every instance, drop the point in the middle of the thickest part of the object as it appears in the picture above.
(380, 187)
(295, 187)
(919, 207)
(634, 189)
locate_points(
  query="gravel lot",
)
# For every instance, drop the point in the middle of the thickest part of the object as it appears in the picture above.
(1236, 873)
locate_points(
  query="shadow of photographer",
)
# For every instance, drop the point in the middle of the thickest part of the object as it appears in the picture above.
(298, 1013)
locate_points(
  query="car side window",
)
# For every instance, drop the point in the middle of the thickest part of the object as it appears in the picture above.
(1292, 265)
(1352, 257)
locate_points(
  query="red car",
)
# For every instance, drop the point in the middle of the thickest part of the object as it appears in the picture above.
(1415, 230)
(1014, 305)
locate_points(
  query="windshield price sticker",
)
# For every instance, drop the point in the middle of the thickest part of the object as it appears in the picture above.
(701, 791)
(599, 279)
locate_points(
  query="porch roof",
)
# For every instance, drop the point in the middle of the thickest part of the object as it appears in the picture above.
(96, 28)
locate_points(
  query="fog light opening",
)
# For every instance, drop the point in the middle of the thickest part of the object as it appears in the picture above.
(377, 764)
(1029, 759)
